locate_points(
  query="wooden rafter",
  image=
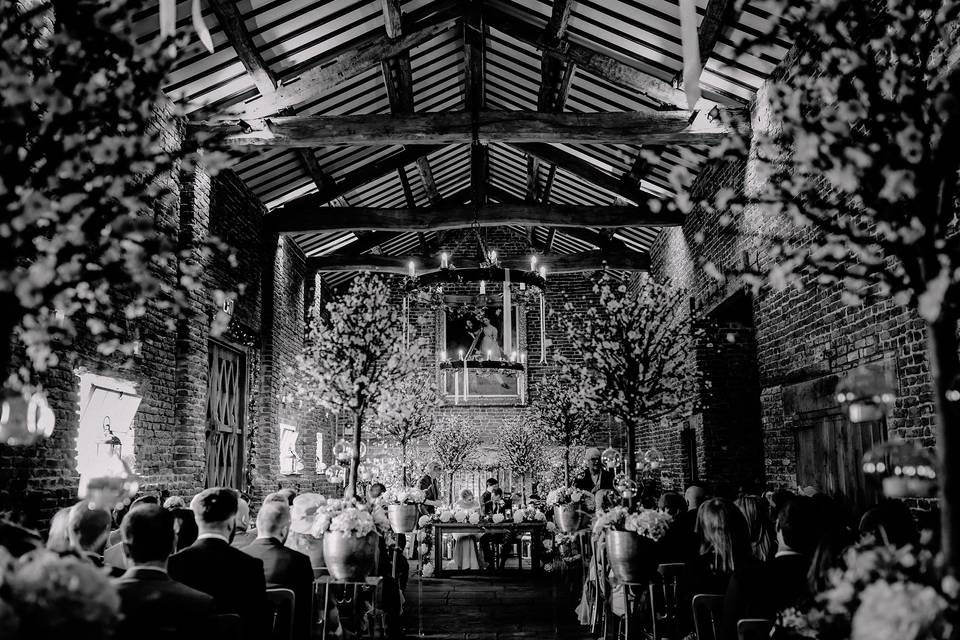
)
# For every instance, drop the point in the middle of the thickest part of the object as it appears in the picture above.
(718, 14)
(474, 98)
(625, 260)
(458, 127)
(288, 219)
(264, 78)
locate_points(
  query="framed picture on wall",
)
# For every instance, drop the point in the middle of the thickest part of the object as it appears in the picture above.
(478, 333)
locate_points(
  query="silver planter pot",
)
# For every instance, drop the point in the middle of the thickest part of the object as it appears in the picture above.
(568, 518)
(309, 545)
(631, 556)
(349, 558)
(403, 517)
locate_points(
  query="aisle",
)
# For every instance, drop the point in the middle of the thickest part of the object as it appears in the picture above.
(491, 608)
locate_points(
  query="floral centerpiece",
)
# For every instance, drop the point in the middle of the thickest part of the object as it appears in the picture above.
(629, 538)
(402, 508)
(350, 536)
(569, 507)
(528, 514)
(883, 594)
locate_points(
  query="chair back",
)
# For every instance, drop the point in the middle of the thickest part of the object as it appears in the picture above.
(282, 602)
(754, 629)
(227, 625)
(666, 595)
(707, 615)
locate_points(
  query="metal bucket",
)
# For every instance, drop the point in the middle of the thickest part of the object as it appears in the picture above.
(349, 558)
(403, 517)
(631, 556)
(568, 518)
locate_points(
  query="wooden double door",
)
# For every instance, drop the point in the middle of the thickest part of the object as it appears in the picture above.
(226, 416)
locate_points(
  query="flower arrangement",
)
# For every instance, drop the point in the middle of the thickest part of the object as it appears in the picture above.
(48, 594)
(353, 522)
(349, 518)
(569, 495)
(883, 594)
(528, 514)
(409, 495)
(648, 523)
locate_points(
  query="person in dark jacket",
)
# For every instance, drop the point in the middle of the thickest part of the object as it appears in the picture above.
(153, 604)
(234, 579)
(594, 477)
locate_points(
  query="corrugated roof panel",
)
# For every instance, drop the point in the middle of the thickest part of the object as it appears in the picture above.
(508, 169)
(382, 192)
(450, 167)
(437, 70)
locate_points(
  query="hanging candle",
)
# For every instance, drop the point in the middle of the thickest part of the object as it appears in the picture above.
(543, 328)
(413, 269)
(342, 450)
(483, 288)
(443, 261)
(625, 486)
(653, 459)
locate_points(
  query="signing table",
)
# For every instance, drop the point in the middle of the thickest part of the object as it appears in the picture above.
(535, 529)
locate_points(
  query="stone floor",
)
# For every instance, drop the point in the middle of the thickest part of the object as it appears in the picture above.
(482, 607)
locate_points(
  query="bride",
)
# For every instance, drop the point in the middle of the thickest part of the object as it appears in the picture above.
(465, 556)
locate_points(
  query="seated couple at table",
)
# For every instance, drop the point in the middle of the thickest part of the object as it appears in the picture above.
(465, 547)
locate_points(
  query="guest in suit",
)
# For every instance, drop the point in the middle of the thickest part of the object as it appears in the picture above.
(154, 605)
(282, 567)
(674, 545)
(594, 477)
(762, 591)
(185, 526)
(498, 504)
(685, 542)
(88, 528)
(233, 578)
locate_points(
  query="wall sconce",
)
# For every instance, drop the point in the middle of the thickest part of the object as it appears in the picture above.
(112, 483)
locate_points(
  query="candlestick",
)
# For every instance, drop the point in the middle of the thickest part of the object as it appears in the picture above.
(543, 272)
(413, 270)
(489, 353)
(483, 288)
(493, 256)
(533, 263)
(466, 377)
(513, 356)
(523, 358)
(443, 356)
(443, 261)
(456, 387)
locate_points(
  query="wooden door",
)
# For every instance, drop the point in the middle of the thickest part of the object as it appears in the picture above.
(830, 451)
(226, 400)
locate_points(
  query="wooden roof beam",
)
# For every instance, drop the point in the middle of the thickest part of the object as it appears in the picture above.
(458, 127)
(623, 260)
(287, 219)
(263, 77)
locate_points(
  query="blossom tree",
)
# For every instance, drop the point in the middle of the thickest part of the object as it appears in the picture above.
(520, 447)
(565, 415)
(637, 353)
(454, 442)
(355, 359)
(859, 165)
(407, 415)
(86, 159)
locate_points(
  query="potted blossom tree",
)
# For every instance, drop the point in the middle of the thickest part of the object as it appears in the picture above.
(355, 360)
(407, 416)
(520, 448)
(565, 415)
(454, 442)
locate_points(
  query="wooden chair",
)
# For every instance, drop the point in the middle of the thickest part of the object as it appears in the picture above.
(754, 629)
(707, 614)
(601, 604)
(227, 626)
(282, 603)
(665, 601)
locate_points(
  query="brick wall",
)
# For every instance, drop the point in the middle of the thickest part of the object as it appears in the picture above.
(798, 334)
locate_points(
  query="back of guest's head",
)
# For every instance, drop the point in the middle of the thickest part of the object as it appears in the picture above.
(466, 494)
(274, 520)
(185, 526)
(890, 522)
(779, 498)
(672, 503)
(759, 527)
(174, 502)
(89, 527)
(58, 538)
(497, 492)
(288, 494)
(376, 490)
(147, 533)
(242, 520)
(798, 526)
(492, 482)
(723, 532)
(214, 506)
(695, 495)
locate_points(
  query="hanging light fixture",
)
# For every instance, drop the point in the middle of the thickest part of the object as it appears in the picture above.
(867, 393)
(111, 482)
(903, 469)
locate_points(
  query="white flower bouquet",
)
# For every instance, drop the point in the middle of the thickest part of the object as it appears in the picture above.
(569, 495)
(356, 522)
(349, 518)
(528, 514)
(408, 495)
(648, 523)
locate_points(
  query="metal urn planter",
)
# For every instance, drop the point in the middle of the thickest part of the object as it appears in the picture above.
(630, 556)
(403, 517)
(349, 558)
(309, 545)
(568, 518)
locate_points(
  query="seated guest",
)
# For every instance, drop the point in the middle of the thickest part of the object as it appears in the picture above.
(375, 491)
(763, 590)
(153, 605)
(890, 523)
(724, 547)
(121, 511)
(88, 529)
(754, 509)
(283, 567)
(486, 498)
(675, 545)
(242, 534)
(58, 538)
(287, 494)
(501, 505)
(594, 476)
(185, 526)
(233, 578)
(174, 502)
(685, 542)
